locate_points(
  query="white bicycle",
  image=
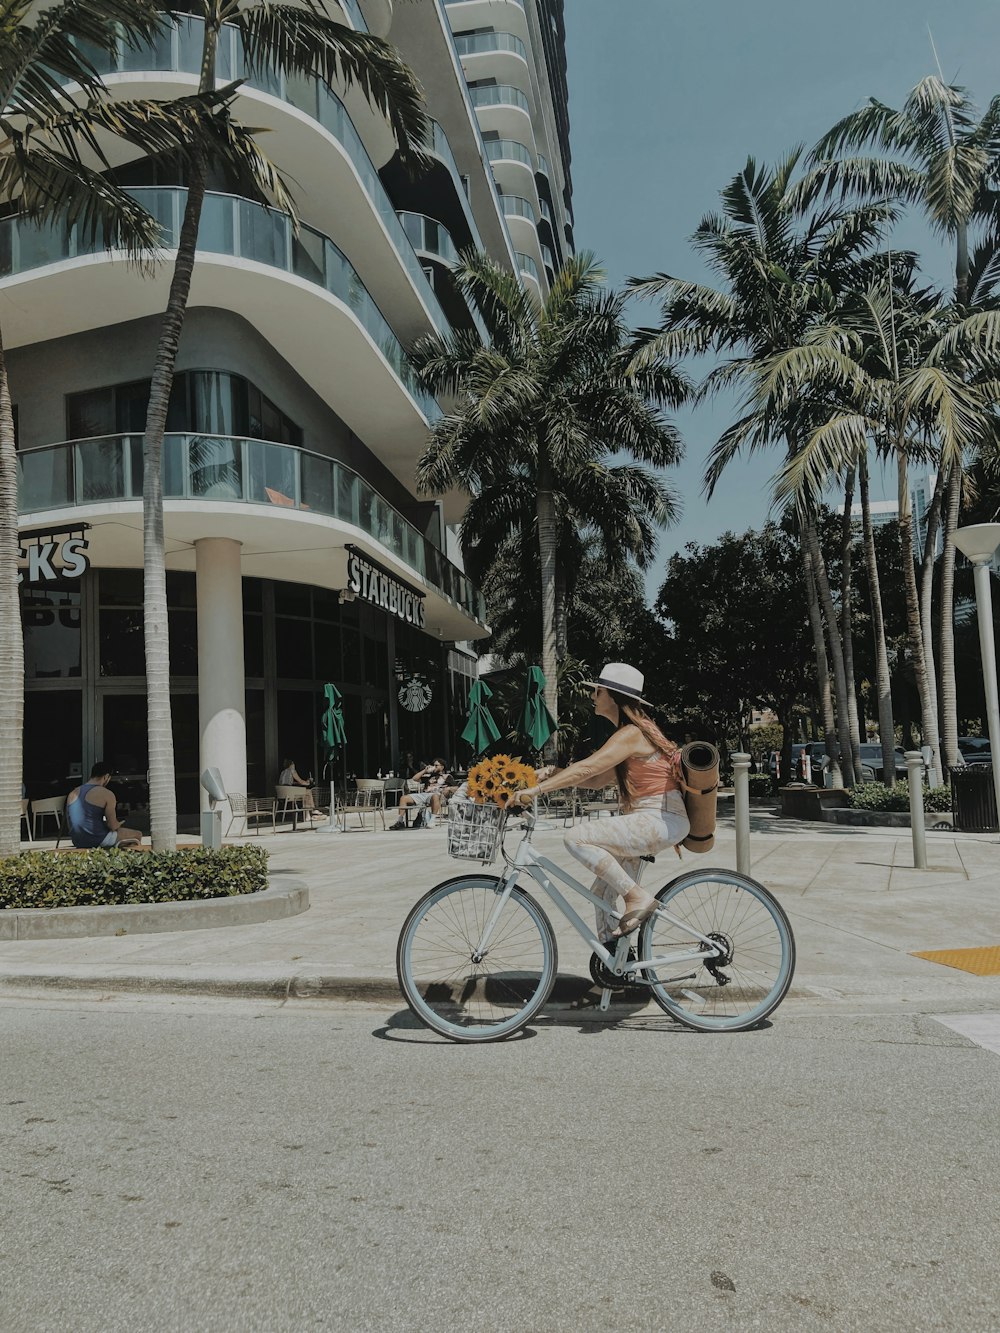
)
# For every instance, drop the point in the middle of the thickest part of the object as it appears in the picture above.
(477, 957)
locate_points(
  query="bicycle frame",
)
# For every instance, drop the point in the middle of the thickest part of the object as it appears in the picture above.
(541, 870)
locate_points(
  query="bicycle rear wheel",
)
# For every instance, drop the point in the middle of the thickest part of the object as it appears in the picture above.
(454, 990)
(748, 980)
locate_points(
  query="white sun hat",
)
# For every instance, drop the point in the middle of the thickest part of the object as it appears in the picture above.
(623, 679)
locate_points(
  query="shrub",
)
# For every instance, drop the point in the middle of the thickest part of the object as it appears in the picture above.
(877, 796)
(105, 876)
(760, 784)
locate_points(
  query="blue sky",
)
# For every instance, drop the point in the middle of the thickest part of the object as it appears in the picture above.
(669, 97)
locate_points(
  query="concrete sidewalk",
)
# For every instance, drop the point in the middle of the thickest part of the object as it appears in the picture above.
(857, 907)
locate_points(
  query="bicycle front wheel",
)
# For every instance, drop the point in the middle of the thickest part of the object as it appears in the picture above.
(458, 985)
(736, 987)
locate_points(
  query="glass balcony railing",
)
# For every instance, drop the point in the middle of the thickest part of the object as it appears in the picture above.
(516, 207)
(482, 43)
(353, 10)
(232, 470)
(527, 265)
(543, 204)
(543, 165)
(499, 94)
(519, 3)
(231, 226)
(547, 256)
(508, 150)
(179, 48)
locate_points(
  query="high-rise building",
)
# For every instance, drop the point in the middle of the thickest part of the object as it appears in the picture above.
(298, 549)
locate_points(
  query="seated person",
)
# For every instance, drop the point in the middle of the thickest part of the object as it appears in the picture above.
(427, 801)
(90, 813)
(289, 777)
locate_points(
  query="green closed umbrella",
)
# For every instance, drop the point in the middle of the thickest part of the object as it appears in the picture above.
(537, 723)
(334, 735)
(480, 730)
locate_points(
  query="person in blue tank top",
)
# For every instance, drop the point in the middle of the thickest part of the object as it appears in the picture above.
(90, 812)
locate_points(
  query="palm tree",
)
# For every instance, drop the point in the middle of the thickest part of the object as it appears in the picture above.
(938, 153)
(297, 40)
(540, 412)
(54, 113)
(902, 378)
(783, 264)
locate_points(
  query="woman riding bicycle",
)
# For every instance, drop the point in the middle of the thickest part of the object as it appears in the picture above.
(645, 766)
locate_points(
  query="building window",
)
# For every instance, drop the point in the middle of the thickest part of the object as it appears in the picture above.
(204, 402)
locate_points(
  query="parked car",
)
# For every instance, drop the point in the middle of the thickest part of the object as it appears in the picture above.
(871, 763)
(975, 749)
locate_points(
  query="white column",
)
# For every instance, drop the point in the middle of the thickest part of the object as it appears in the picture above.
(221, 699)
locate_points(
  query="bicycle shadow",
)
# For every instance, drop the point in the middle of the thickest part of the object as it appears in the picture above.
(625, 1012)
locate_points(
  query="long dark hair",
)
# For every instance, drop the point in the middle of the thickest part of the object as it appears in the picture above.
(631, 712)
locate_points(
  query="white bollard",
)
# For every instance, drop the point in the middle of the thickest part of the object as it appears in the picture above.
(915, 777)
(741, 800)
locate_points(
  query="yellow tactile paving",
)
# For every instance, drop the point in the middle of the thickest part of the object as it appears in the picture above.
(984, 962)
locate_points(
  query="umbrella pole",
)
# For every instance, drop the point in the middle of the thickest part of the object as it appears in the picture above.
(331, 825)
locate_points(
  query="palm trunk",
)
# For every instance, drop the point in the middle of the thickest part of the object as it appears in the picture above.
(836, 650)
(886, 727)
(162, 797)
(562, 614)
(822, 667)
(846, 552)
(949, 701)
(12, 657)
(162, 794)
(928, 705)
(546, 510)
(927, 585)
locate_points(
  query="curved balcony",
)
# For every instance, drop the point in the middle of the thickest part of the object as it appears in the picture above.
(432, 238)
(528, 267)
(282, 502)
(239, 229)
(504, 110)
(353, 11)
(178, 51)
(499, 94)
(543, 166)
(509, 150)
(489, 43)
(514, 206)
(546, 211)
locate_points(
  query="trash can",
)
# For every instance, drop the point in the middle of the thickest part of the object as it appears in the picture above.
(973, 800)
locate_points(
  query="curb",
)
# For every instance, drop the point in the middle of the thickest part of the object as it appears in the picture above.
(244, 909)
(568, 992)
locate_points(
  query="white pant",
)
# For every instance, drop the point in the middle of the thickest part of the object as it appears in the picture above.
(612, 848)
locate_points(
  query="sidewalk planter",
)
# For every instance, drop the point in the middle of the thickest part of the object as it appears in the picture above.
(851, 818)
(802, 802)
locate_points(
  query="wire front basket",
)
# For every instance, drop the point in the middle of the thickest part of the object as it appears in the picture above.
(474, 831)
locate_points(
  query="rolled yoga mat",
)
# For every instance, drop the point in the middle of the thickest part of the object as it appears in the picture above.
(700, 765)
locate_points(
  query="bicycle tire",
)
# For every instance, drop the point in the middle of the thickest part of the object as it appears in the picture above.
(760, 951)
(468, 1000)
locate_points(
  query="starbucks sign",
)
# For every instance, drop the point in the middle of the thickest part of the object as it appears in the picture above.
(365, 580)
(52, 556)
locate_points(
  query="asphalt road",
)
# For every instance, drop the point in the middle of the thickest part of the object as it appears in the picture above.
(226, 1165)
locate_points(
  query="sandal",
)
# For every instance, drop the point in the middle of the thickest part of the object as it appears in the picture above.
(632, 918)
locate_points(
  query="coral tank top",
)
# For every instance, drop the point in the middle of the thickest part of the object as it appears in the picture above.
(654, 774)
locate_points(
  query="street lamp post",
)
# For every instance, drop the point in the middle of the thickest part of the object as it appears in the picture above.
(979, 543)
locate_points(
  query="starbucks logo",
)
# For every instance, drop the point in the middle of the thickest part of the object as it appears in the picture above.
(415, 694)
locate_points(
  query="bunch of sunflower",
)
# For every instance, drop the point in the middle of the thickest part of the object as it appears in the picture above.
(497, 779)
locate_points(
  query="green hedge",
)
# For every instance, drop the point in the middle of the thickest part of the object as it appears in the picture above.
(760, 784)
(102, 877)
(877, 796)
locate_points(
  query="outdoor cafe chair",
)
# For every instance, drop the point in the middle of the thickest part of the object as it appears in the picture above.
(246, 808)
(53, 807)
(367, 796)
(290, 796)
